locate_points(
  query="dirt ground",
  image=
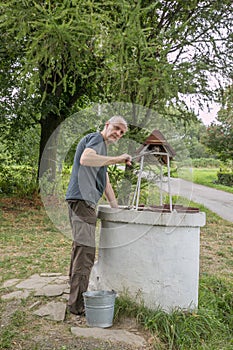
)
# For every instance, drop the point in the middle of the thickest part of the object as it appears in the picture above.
(35, 333)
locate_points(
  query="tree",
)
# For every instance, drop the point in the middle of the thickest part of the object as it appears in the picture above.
(219, 136)
(163, 49)
(142, 52)
(56, 59)
(192, 134)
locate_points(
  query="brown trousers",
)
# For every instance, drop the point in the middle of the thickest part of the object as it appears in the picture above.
(83, 223)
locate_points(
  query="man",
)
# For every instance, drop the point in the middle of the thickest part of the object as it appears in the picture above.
(89, 181)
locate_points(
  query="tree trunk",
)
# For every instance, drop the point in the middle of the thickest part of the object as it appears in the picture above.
(48, 146)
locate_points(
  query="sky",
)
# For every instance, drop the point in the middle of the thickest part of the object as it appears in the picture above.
(208, 115)
(208, 110)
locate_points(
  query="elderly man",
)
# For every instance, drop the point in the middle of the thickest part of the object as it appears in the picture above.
(89, 181)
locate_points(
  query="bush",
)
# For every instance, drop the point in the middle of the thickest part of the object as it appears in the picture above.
(18, 179)
(206, 163)
(225, 178)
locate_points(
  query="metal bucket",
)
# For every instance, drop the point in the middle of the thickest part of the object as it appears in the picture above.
(99, 307)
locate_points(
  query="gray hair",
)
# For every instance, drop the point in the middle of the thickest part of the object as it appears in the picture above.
(118, 119)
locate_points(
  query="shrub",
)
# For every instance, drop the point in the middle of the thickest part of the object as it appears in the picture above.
(225, 178)
(18, 179)
(206, 163)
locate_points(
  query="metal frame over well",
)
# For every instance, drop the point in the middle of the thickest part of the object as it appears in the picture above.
(156, 151)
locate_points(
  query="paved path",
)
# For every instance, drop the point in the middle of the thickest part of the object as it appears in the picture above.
(219, 202)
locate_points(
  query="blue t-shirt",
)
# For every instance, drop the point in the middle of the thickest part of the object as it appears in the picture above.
(86, 182)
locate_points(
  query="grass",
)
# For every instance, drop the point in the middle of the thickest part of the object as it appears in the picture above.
(208, 328)
(203, 176)
(30, 244)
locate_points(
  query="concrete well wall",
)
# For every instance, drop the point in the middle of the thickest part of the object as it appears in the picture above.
(153, 256)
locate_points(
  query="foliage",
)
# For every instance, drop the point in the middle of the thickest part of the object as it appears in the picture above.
(225, 178)
(198, 163)
(19, 146)
(55, 39)
(138, 50)
(124, 183)
(116, 175)
(219, 136)
(52, 52)
(206, 163)
(18, 161)
(156, 52)
(59, 56)
(17, 179)
(192, 134)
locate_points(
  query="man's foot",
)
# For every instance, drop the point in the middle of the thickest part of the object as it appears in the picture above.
(82, 313)
(77, 313)
(77, 319)
(80, 320)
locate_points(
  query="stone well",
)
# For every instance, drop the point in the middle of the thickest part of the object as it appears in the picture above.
(153, 255)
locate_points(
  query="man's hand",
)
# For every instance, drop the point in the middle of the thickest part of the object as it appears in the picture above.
(125, 158)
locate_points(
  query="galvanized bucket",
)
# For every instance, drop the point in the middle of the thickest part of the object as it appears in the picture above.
(99, 307)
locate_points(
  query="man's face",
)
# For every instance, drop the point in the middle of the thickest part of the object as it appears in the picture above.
(114, 131)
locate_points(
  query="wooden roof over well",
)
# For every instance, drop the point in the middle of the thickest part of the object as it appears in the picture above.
(156, 142)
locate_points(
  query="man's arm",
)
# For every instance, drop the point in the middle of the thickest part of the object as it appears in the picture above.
(91, 158)
(109, 193)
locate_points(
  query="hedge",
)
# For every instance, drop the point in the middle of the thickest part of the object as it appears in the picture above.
(17, 179)
(225, 178)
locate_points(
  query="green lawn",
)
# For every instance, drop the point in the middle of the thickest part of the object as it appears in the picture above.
(203, 176)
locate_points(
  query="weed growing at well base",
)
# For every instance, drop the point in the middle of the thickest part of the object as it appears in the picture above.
(209, 327)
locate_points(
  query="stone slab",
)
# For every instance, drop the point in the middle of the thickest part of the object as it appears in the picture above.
(61, 280)
(19, 294)
(51, 290)
(67, 290)
(53, 311)
(35, 282)
(117, 335)
(10, 283)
